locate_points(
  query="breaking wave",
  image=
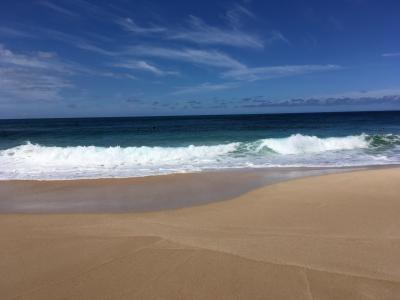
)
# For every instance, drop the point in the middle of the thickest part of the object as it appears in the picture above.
(298, 144)
(51, 162)
(111, 156)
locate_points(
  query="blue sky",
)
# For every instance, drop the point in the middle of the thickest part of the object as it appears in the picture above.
(127, 58)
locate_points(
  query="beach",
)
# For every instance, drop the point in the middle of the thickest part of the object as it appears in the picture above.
(199, 150)
(334, 236)
(139, 194)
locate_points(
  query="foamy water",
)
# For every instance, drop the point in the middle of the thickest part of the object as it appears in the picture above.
(35, 161)
(300, 144)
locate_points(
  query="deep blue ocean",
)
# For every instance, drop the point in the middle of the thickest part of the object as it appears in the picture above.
(141, 146)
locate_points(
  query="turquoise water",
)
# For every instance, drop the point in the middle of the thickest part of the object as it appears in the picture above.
(125, 147)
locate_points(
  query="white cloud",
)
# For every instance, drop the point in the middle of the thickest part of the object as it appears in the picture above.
(58, 8)
(11, 32)
(76, 41)
(276, 35)
(129, 25)
(93, 10)
(373, 97)
(18, 84)
(393, 54)
(144, 66)
(38, 76)
(70, 39)
(363, 94)
(234, 16)
(235, 69)
(205, 57)
(199, 32)
(39, 60)
(116, 15)
(93, 48)
(45, 61)
(259, 73)
(205, 87)
(202, 33)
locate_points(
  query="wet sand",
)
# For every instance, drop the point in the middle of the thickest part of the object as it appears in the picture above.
(328, 237)
(140, 194)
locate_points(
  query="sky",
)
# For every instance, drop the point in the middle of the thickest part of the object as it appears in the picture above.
(81, 58)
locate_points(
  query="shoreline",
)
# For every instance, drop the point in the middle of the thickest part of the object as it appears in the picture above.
(150, 193)
(334, 236)
(211, 171)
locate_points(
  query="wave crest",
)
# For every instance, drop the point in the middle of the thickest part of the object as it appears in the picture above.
(301, 144)
(109, 156)
(33, 161)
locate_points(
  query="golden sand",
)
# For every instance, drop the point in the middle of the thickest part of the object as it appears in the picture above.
(329, 237)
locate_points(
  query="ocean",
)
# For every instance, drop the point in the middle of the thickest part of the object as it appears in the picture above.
(47, 149)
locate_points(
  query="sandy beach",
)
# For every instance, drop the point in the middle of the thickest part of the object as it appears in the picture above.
(142, 194)
(334, 236)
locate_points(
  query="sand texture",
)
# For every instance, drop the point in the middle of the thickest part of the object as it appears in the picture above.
(329, 237)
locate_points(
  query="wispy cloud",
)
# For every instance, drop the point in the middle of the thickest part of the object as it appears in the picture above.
(374, 97)
(195, 31)
(38, 76)
(129, 25)
(234, 16)
(18, 85)
(58, 8)
(144, 66)
(78, 41)
(363, 94)
(234, 69)
(39, 60)
(41, 75)
(205, 87)
(277, 36)
(75, 41)
(393, 54)
(12, 32)
(201, 33)
(260, 73)
(204, 57)
(111, 13)
(93, 10)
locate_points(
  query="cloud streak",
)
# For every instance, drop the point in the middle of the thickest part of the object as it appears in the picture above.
(203, 57)
(201, 33)
(15, 33)
(235, 70)
(129, 25)
(39, 60)
(264, 73)
(75, 41)
(235, 15)
(276, 35)
(205, 87)
(144, 66)
(377, 97)
(40, 75)
(32, 77)
(393, 54)
(58, 9)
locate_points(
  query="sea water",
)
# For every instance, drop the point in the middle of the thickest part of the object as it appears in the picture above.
(142, 146)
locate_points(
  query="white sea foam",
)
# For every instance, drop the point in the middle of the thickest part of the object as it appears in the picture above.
(33, 161)
(112, 156)
(300, 144)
